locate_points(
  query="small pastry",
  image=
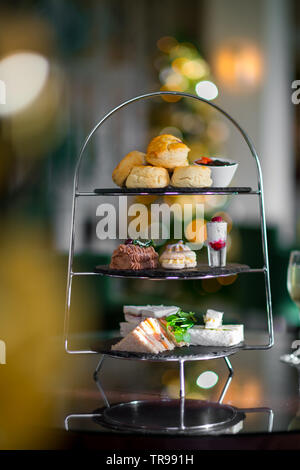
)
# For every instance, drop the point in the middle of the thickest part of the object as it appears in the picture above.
(148, 177)
(191, 176)
(171, 260)
(178, 256)
(167, 151)
(123, 169)
(135, 256)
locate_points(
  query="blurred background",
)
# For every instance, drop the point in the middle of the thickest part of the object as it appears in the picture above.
(63, 65)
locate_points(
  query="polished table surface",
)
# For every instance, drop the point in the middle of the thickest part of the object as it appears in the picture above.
(262, 388)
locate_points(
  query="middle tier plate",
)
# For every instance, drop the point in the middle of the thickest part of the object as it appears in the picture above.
(201, 271)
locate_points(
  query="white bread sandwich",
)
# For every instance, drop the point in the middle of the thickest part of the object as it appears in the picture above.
(126, 327)
(225, 335)
(137, 313)
(148, 337)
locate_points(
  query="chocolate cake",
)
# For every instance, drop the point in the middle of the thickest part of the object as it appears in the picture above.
(134, 257)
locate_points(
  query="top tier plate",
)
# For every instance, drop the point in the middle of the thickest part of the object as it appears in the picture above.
(170, 191)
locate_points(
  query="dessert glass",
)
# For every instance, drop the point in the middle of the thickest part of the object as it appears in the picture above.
(216, 243)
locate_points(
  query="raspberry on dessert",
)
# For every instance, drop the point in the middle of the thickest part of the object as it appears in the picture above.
(217, 219)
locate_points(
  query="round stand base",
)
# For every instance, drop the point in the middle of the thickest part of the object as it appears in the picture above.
(167, 416)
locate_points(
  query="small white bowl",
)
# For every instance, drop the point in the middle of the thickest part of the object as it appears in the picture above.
(222, 175)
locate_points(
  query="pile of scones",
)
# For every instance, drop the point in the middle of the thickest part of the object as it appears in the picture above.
(165, 163)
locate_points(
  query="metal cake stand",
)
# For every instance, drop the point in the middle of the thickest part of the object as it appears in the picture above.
(181, 416)
(136, 415)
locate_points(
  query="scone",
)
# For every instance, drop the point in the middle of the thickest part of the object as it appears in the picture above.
(192, 176)
(167, 151)
(148, 177)
(122, 170)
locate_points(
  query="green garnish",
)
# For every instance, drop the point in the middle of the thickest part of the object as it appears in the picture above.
(143, 244)
(179, 324)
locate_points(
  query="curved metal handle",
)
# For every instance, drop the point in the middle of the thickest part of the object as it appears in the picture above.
(160, 93)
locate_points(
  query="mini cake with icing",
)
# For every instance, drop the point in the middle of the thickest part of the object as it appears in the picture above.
(134, 255)
(178, 256)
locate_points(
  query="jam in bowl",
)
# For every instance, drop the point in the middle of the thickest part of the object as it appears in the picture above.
(222, 169)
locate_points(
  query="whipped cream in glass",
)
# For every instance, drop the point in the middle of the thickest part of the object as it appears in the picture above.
(216, 242)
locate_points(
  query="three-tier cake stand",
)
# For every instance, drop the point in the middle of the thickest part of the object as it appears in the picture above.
(180, 415)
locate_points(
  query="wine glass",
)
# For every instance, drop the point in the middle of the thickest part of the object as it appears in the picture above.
(293, 286)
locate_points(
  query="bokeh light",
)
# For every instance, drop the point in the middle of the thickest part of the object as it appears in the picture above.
(227, 280)
(173, 131)
(239, 65)
(207, 90)
(195, 232)
(207, 379)
(166, 43)
(25, 75)
(195, 69)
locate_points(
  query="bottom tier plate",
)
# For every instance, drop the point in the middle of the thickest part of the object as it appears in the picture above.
(187, 353)
(167, 416)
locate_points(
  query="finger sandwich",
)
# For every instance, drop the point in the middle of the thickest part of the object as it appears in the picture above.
(148, 337)
(134, 314)
(225, 335)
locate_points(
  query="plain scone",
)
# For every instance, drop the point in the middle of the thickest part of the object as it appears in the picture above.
(148, 177)
(167, 151)
(192, 176)
(122, 170)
